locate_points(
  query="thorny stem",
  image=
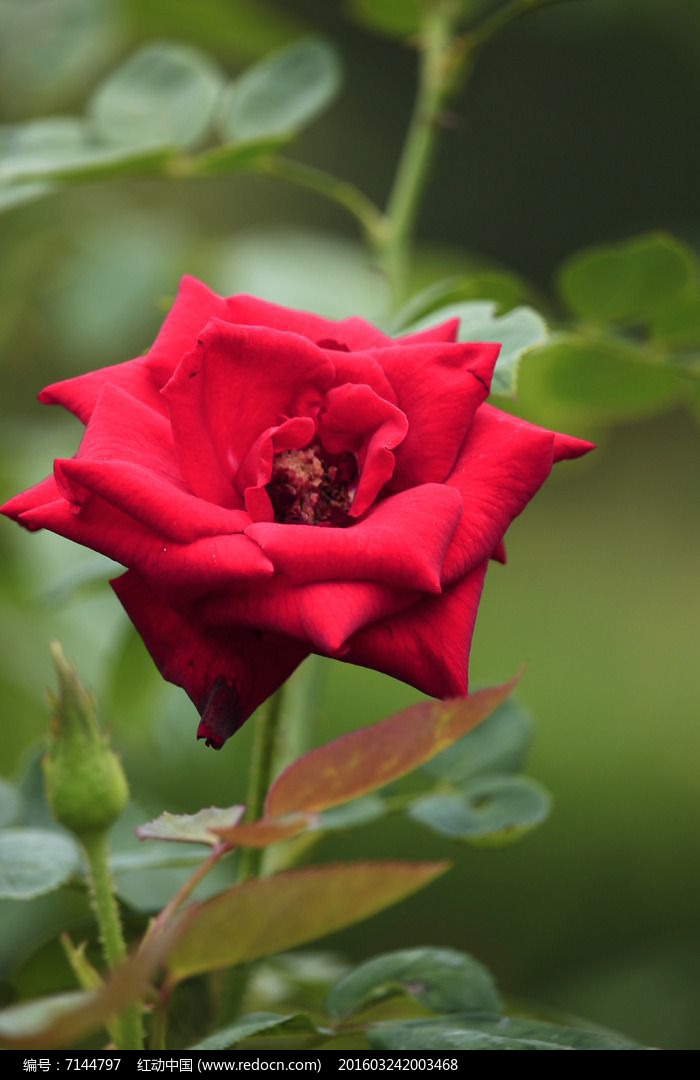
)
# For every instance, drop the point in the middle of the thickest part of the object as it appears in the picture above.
(128, 1028)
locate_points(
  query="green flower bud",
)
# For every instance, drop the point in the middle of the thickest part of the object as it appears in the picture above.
(85, 783)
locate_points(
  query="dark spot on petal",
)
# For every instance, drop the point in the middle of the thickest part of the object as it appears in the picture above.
(329, 343)
(481, 379)
(221, 714)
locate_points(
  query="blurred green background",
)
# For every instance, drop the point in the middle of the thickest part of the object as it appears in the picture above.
(578, 126)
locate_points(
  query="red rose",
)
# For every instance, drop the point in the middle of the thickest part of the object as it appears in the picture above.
(279, 484)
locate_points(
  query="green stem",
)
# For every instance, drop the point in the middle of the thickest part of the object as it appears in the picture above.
(342, 192)
(262, 760)
(439, 62)
(159, 1027)
(129, 1025)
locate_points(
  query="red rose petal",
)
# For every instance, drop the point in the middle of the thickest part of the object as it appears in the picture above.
(322, 615)
(127, 457)
(145, 376)
(256, 470)
(44, 492)
(428, 644)
(401, 542)
(567, 447)
(227, 675)
(352, 333)
(194, 306)
(211, 562)
(446, 331)
(363, 367)
(237, 382)
(503, 462)
(439, 388)
(79, 395)
(355, 419)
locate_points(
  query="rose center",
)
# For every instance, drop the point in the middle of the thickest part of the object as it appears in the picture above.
(311, 487)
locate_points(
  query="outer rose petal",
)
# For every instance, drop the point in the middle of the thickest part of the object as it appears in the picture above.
(127, 457)
(44, 492)
(211, 562)
(144, 377)
(322, 615)
(227, 674)
(503, 462)
(79, 395)
(446, 331)
(428, 644)
(400, 542)
(439, 388)
(350, 333)
(194, 306)
(237, 382)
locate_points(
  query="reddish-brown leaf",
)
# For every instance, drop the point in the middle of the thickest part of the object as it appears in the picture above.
(260, 834)
(372, 757)
(268, 915)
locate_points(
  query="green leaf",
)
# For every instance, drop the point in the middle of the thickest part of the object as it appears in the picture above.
(490, 809)
(369, 758)
(578, 380)
(498, 745)
(35, 861)
(678, 323)
(191, 828)
(164, 94)
(150, 858)
(9, 803)
(281, 912)
(474, 1033)
(516, 332)
(396, 18)
(64, 148)
(440, 979)
(627, 282)
(253, 1024)
(12, 195)
(282, 93)
(51, 48)
(506, 290)
(358, 812)
(39, 145)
